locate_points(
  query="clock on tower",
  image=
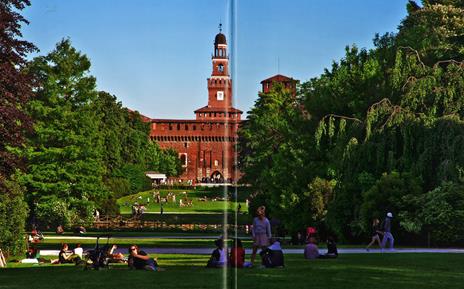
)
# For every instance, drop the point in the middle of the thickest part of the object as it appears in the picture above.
(220, 95)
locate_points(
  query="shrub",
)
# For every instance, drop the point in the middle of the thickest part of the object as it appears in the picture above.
(13, 214)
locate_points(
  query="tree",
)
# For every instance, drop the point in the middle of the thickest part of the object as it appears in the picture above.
(15, 90)
(437, 214)
(413, 123)
(272, 158)
(384, 126)
(128, 151)
(65, 151)
(15, 85)
(435, 31)
(113, 128)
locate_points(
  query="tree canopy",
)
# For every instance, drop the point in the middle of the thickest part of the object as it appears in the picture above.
(15, 91)
(382, 132)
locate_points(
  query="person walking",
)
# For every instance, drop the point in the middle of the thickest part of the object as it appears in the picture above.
(387, 235)
(376, 232)
(261, 231)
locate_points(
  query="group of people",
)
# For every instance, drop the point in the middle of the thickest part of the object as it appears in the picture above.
(271, 256)
(382, 232)
(69, 256)
(271, 250)
(137, 259)
(138, 210)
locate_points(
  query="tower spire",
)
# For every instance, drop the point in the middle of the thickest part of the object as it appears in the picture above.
(220, 26)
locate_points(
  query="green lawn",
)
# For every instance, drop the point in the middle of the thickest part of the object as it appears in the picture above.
(143, 242)
(363, 271)
(194, 217)
(198, 206)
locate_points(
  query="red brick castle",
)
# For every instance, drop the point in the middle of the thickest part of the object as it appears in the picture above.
(206, 145)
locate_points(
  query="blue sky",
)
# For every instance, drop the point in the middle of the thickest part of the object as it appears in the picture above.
(155, 55)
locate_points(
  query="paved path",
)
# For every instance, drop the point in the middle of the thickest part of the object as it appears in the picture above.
(207, 251)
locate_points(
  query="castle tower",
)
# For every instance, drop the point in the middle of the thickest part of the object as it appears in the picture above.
(219, 85)
(206, 145)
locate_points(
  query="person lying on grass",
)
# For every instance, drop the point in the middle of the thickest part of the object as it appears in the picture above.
(140, 260)
(116, 257)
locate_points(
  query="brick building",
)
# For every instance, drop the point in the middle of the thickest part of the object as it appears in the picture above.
(206, 144)
(287, 82)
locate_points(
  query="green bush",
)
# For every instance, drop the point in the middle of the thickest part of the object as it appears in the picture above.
(119, 186)
(53, 211)
(81, 212)
(393, 192)
(135, 174)
(439, 214)
(108, 206)
(13, 213)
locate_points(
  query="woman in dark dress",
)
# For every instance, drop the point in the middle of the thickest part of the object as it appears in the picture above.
(376, 232)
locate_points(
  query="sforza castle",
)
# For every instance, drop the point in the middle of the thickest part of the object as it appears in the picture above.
(207, 144)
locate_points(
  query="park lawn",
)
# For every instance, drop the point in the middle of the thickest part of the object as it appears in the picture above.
(130, 233)
(198, 217)
(354, 271)
(126, 242)
(125, 203)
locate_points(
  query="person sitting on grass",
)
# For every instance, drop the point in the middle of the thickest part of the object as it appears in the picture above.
(66, 256)
(332, 251)
(237, 254)
(140, 260)
(273, 256)
(218, 257)
(78, 250)
(312, 251)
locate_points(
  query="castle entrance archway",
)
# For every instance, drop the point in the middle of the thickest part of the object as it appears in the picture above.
(217, 177)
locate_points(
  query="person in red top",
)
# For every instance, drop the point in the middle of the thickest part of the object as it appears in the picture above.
(237, 254)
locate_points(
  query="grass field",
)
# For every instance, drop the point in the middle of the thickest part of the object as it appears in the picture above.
(197, 217)
(363, 271)
(143, 242)
(195, 196)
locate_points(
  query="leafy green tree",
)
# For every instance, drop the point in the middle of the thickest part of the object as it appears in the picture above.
(384, 125)
(65, 152)
(128, 151)
(272, 158)
(438, 214)
(15, 91)
(135, 174)
(435, 31)
(113, 128)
